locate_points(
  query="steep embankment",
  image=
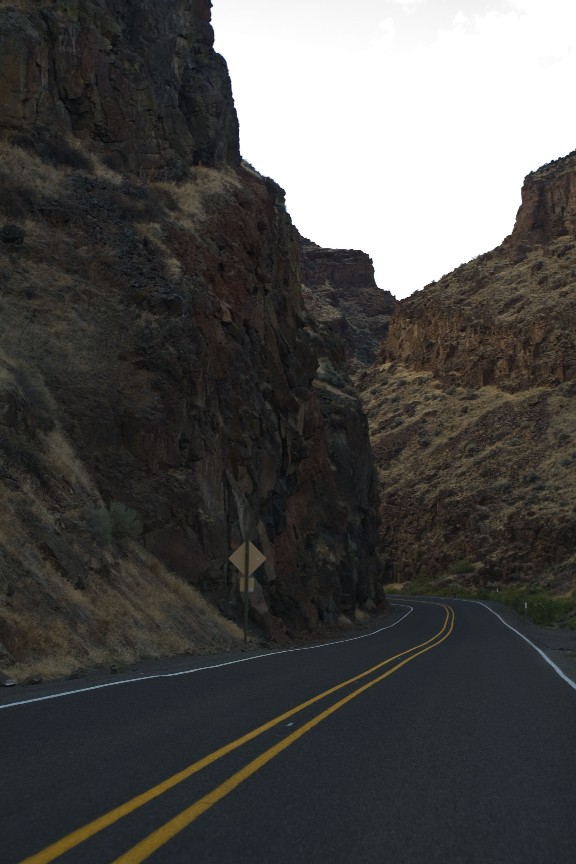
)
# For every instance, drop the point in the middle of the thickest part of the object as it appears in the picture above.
(472, 408)
(155, 349)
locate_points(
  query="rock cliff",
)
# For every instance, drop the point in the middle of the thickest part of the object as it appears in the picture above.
(138, 79)
(156, 350)
(505, 318)
(341, 282)
(471, 408)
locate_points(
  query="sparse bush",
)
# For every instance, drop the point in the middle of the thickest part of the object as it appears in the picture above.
(531, 477)
(463, 565)
(100, 525)
(119, 523)
(125, 521)
(543, 610)
(327, 372)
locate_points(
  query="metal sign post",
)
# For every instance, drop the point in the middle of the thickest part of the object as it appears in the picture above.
(247, 558)
(246, 588)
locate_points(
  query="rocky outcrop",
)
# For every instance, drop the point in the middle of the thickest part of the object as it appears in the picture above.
(138, 80)
(344, 289)
(155, 346)
(506, 318)
(548, 208)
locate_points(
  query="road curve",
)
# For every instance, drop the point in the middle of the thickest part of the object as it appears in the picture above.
(440, 735)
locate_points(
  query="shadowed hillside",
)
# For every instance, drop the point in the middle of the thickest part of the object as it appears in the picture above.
(156, 350)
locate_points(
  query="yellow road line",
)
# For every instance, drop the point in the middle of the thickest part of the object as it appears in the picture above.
(169, 830)
(80, 835)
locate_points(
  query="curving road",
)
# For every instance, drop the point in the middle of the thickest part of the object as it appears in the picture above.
(440, 736)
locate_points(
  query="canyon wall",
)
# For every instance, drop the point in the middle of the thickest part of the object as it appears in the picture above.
(471, 408)
(155, 345)
(507, 317)
(342, 287)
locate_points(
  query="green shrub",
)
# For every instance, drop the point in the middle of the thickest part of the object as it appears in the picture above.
(125, 521)
(543, 610)
(119, 522)
(100, 525)
(461, 566)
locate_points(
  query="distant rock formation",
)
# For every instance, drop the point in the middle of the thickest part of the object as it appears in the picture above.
(471, 408)
(343, 280)
(507, 317)
(548, 209)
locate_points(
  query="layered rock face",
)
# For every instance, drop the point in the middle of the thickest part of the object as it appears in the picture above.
(506, 318)
(548, 208)
(342, 282)
(139, 79)
(155, 347)
(472, 408)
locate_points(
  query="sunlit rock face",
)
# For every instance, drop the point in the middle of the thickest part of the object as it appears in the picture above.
(153, 318)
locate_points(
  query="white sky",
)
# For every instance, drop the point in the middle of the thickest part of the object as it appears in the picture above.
(402, 127)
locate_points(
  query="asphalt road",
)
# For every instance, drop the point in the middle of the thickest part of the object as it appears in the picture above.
(444, 737)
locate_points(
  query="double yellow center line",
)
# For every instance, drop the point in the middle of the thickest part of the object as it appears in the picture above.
(161, 836)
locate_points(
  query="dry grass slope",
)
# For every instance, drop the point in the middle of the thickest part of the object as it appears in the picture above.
(474, 475)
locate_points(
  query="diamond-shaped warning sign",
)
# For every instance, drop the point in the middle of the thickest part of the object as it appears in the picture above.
(254, 559)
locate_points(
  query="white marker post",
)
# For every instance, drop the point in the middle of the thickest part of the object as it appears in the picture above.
(247, 558)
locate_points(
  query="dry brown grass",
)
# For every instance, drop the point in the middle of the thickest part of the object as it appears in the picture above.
(29, 171)
(153, 232)
(474, 474)
(500, 287)
(139, 611)
(195, 197)
(65, 461)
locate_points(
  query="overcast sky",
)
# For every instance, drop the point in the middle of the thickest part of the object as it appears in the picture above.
(402, 127)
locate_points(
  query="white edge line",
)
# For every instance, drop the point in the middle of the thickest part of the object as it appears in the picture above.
(550, 662)
(207, 668)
